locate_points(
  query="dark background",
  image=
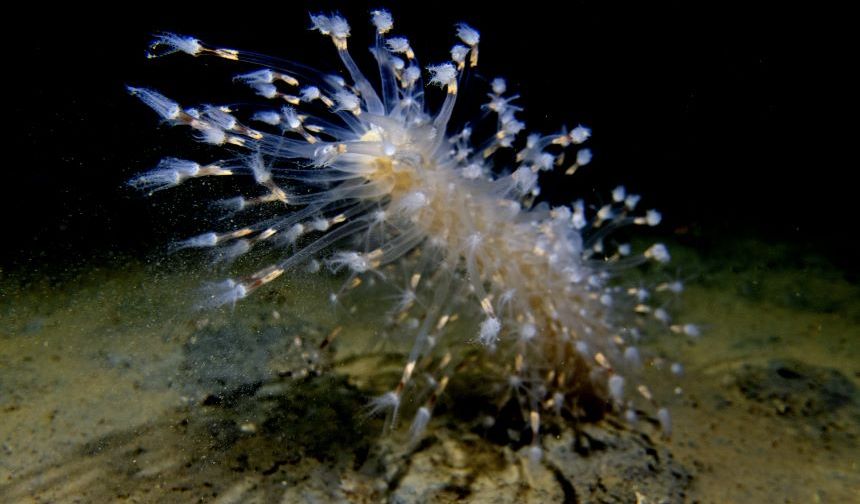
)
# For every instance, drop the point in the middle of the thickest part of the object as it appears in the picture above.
(716, 114)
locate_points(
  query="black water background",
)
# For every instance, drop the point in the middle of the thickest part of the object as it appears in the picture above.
(722, 116)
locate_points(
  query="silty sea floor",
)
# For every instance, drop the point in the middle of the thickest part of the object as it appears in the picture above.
(114, 389)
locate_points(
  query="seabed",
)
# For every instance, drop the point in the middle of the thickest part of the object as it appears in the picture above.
(114, 389)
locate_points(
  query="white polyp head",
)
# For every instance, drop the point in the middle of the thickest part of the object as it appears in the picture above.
(413, 202)
(653, 217)
(631, 201)
(321, 23)
(339, 27)
(382, 21)
(631, 417)
(264, 76)
(174, 42)
(411, 75)
(605, 212)
(658, 252)
(356, 262)
(616, 388)
(261, 173)
(309, 93)
(419, 424)
(489, 331)
(269, 117)
(468, 35)
(291, 117)
(398, 45)
(459, 53)
(472, 171)
(212, 135)
(528, 331)
(535, 454)
(266, 90)
(631, 355)
(335, 25)
(579, 134)
(665, 420)
(347, 101)
(525, 178)
(295, 231)
(499, 86)
(442, 75)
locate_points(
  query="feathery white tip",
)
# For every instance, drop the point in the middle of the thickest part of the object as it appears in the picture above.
(169, 172)
(200, 241)
(321, 23)
(356, 262)
(169, 43)
(346, 101)
(616, 388)
(489, 332)
(653, 217)
(692, 330)
(631, 355)
(631, 201)
(264, 76)
(385, 402)
(419, 423)
(631, 417)
(535, 454)
(320, 225)
(413, 202)
(472, 171)
(382, 21)
(411, 75)
(658, 252)
(580, 134)
(528, 331)
(309, 93)
(665, 420)
(525, 178)
(339, 27)
(262, 174)
(459, 53)
(398, 45)
(583, 157)
(499, 86)
(468, 35)
(166, 108)
(212, 135)
(442, 75)
(269, 117)
(227, 292)
(291, 117)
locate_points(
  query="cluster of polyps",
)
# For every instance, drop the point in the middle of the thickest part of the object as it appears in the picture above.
(367, 176)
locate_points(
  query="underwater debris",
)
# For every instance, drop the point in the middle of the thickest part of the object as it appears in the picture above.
(367, 181)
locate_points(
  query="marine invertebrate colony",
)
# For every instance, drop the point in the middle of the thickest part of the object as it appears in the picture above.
(364, 176)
